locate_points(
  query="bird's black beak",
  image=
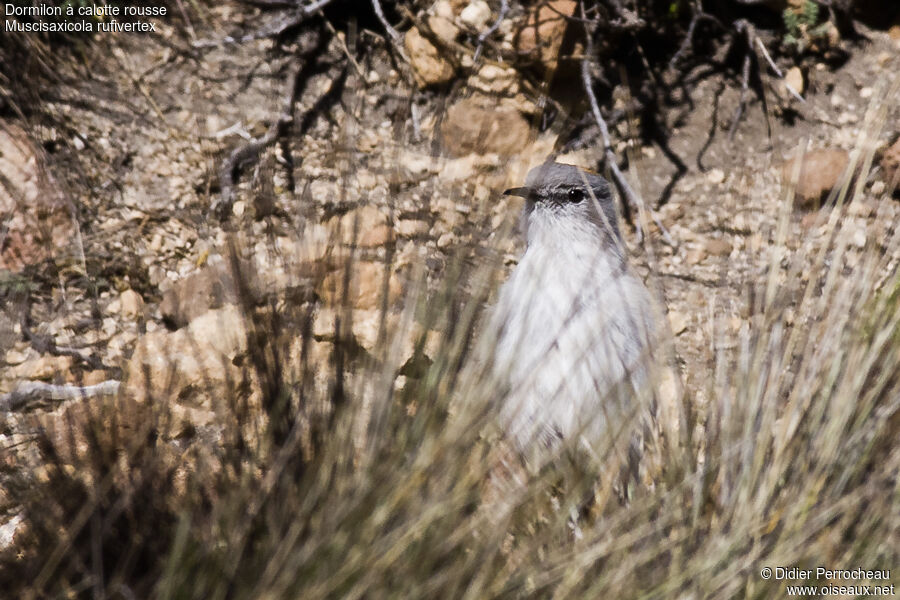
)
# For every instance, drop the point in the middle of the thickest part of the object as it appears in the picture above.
(522, 192)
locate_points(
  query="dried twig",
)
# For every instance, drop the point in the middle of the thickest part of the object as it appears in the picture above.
(376, 6)
(250, 151)
(504, 8)
(45, 344)
(687, 42)
(778, 72)
(33, 391)
(634, 201)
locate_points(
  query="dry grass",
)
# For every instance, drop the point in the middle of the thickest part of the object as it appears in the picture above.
(788, 458)
(360, 488)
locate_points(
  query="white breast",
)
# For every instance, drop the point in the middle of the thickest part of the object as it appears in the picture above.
(572, 323)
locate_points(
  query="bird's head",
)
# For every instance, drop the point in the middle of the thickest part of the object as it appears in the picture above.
(565, 199)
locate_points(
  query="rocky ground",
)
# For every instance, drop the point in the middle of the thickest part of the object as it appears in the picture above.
(141, 262)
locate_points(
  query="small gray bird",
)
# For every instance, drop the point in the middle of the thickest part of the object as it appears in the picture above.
(573, 324)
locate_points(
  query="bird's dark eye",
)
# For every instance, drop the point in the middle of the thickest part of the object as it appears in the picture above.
(576, 195)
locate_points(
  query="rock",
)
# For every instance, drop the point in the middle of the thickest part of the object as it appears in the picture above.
(198, 358)
(482, 126)
(794, 78)
(677, 321)
(45, 367)
(366, 286)
(890, 162)
(412, 228)
(211, 287)
(820, 171)
(542, 33)
(131, 304)
(500, 81)
(443, 27)
(695, 256)
(894, 33)
(718, 247)
(36, 219)
(715, 176)
(428, 64)
(366, 227)
(476, 15)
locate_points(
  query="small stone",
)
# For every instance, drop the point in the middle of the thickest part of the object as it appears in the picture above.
(715, 176)
(366, 289)
(718, 247)
(794, 78)
(15, 357)
(866, 92)
(429, 66)
(894, 32)
(677, 321)
(444, 28)
(820, 171)
(412, 228)
(43, 367)
(543, 30)
(859, 237)
(366, 227)
(476, 15)
(199, 359)
(695, 256)
(861, 208)
(131, 304)
(446, 239)
(483, 126)
(878, 188)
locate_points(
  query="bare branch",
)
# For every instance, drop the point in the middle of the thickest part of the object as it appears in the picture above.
(631, 198)
(376, 6)
(34, 391)
(504, 8)
(250, 150)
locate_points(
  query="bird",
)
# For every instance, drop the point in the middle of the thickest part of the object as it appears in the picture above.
(573, 324)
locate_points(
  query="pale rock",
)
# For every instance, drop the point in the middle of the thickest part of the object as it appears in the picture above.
(412, 228)
(443, 27)
(543, 30)
(446, 240)
(718, 247)
(695, 256)
(131, 304)
(715, 176)
(366, 324)
(476, 15)
(484, 126)
(820, 171)
(211, 287)
(366, 288)
(366, 227)
(678, 322)
(794, 78)
(428, 65)
(43, 368)
(198, 358)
